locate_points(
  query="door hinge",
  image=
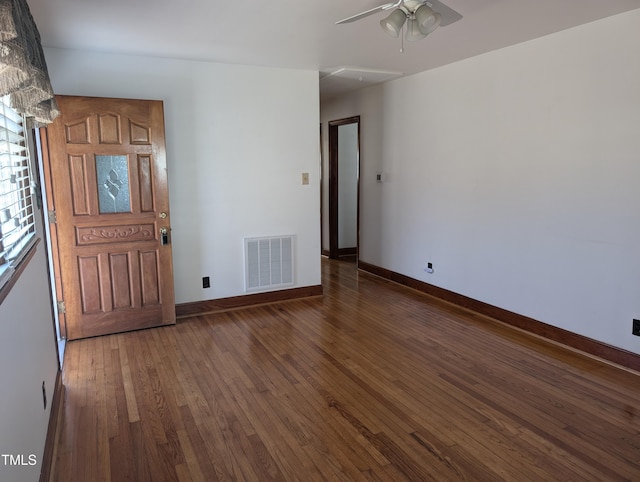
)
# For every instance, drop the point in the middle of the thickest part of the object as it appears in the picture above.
(52, 216)
(61, 308)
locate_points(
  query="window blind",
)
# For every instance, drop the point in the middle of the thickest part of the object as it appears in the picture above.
(17, 220)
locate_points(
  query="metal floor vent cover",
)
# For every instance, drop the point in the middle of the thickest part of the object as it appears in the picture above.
(268, 262)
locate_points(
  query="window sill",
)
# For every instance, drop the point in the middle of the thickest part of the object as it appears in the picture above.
(6, 288)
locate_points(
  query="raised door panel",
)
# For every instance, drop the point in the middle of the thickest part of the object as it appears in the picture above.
(79, 185)
(139, 134)
(145, 180)
(90, 284)
(120, 271)
(77, 132)
(149, 264)
(109, 129)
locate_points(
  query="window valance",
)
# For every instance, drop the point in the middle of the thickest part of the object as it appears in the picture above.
(23, 70)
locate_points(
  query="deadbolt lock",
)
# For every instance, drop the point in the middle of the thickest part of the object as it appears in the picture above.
(164, 236)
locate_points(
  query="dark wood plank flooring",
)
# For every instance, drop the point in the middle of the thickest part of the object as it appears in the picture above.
(372, 381)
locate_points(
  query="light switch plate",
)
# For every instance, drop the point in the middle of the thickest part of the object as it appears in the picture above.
(305, 178)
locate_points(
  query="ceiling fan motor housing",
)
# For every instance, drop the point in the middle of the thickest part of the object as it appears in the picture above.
(412, 5)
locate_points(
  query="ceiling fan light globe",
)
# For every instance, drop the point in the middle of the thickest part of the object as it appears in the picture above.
(427, 19)
(392, 25)
(413, 31)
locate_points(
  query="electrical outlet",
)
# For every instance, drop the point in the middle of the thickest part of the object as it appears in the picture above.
(429, 268)
(635, 330)
(205, 282)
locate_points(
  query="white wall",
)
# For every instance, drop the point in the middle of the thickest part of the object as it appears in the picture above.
(27, 357)
(238, 139)
(516, 174)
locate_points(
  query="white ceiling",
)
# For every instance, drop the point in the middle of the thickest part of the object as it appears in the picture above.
(302, 34)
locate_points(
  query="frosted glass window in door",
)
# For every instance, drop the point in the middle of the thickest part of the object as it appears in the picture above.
(113, 184)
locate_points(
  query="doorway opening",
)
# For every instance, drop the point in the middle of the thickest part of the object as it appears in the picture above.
(344, 187)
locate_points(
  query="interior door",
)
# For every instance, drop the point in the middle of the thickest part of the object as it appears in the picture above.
(109, 182)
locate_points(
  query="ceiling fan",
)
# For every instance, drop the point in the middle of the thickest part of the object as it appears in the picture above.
(422, 17)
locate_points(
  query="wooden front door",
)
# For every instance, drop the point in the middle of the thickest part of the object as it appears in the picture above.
(108, 177)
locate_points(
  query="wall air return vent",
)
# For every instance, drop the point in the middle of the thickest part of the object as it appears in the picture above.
(268, 262)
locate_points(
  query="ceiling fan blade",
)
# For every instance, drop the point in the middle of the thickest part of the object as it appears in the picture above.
(358, 16)
(449, 15)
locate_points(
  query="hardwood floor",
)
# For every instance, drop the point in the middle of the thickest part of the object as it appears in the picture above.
(372, 381)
